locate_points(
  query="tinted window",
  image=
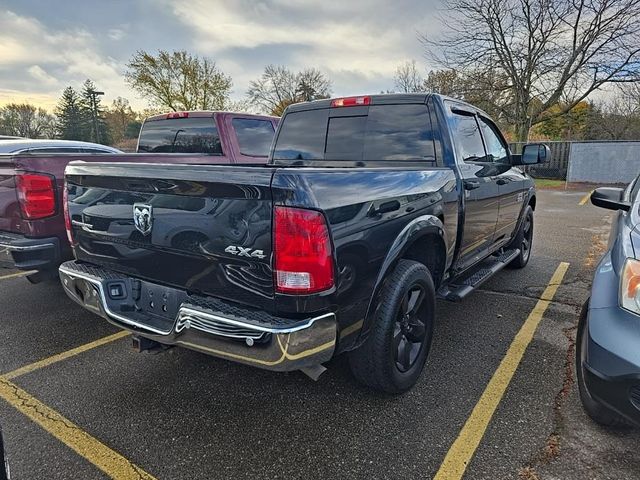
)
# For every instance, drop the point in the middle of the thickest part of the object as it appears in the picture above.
(181, 135)
(345, 138)
(302, 136)
(496, 149)
(254, 136)
(467, 137)
(399, 132)
(95, 150)
(56, 150)
(387, 132)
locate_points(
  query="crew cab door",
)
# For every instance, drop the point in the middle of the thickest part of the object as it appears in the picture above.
(510, 181)
(480, 189)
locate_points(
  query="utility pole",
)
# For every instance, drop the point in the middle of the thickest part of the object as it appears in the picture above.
(94, 110)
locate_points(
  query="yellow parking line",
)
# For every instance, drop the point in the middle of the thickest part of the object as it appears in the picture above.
(464, 447)
(63, 356)
(110, 462)
(15, 275)
(585, 199)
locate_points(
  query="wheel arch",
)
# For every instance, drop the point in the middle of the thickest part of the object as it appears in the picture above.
(414, 242)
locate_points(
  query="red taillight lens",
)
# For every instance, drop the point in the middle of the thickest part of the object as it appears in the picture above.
(350, 101)
(303, 257)
(67, 216)
(36, 195)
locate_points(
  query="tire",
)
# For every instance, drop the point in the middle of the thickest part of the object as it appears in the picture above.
(393, 355)
(523, 240)
(598, 412)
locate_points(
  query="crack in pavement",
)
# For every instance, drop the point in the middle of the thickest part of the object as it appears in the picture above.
(521, 295)
(88, 447)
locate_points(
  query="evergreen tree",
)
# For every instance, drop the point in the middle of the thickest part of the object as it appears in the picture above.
(71, 118)
(93, 114)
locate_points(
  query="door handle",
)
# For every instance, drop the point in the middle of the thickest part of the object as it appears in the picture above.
(471, 184)
(502, 181)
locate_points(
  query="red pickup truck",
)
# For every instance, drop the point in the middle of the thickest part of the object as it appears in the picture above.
(32, 229)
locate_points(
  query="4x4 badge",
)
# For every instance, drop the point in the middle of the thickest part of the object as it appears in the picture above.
(244, 252)
(143, 217)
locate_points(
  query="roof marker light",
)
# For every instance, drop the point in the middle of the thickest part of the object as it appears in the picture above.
(177, 115)
(350, 102)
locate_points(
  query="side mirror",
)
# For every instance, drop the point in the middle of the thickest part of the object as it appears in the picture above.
(610, 198)
(532, 153)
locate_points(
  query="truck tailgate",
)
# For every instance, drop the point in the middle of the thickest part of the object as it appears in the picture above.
(10, 218)
(177, 225)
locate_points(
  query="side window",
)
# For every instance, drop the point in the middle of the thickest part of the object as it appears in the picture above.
(95, 150)
(254, 136)
(467, 138)
(496, 148)
(56, 150)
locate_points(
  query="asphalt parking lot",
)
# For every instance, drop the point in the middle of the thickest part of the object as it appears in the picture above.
(105, 410)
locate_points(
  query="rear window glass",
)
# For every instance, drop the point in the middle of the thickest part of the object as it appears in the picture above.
(386, 132)
(254, 136)
(181, 135)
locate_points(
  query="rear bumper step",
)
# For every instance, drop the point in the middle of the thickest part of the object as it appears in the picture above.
(206, 325)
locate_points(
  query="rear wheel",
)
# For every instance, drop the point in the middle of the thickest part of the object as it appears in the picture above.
(598, 412)
(394, 354)
(523, 240)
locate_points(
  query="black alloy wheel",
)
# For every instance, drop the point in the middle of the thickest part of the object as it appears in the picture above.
(410, 332)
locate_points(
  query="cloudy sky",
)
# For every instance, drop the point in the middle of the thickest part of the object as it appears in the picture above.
(46, 45)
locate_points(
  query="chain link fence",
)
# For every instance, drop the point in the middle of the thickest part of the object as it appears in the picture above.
(554, 169)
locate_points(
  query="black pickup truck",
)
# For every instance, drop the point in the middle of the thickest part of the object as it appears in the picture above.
(368, 209)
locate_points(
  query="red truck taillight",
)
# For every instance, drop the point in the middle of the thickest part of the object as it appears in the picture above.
(303, 257)
(36, 195)
(67, 216)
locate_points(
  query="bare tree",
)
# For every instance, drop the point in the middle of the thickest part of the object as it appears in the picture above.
(178, 81)
(407, 79)
(618, 118)
(26, 120)
(279, 87)
(546, 49)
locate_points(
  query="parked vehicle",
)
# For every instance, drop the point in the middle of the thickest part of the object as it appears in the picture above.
(608, 337)
(368, 208)
(232, 137)
(32, 233)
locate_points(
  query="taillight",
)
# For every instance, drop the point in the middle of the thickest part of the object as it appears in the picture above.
(67, 216)
(350, 101)
(36, 195)
(303, 257)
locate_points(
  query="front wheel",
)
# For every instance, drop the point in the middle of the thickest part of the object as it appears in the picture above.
(523, 240)
(394, 354)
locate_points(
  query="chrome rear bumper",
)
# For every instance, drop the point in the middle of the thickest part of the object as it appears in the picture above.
(281, 345)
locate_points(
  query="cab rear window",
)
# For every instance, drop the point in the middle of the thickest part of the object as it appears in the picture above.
(378, 132)
(181, 135)
(254, 136)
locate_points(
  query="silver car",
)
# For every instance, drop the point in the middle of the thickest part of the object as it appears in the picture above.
(30, 145)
